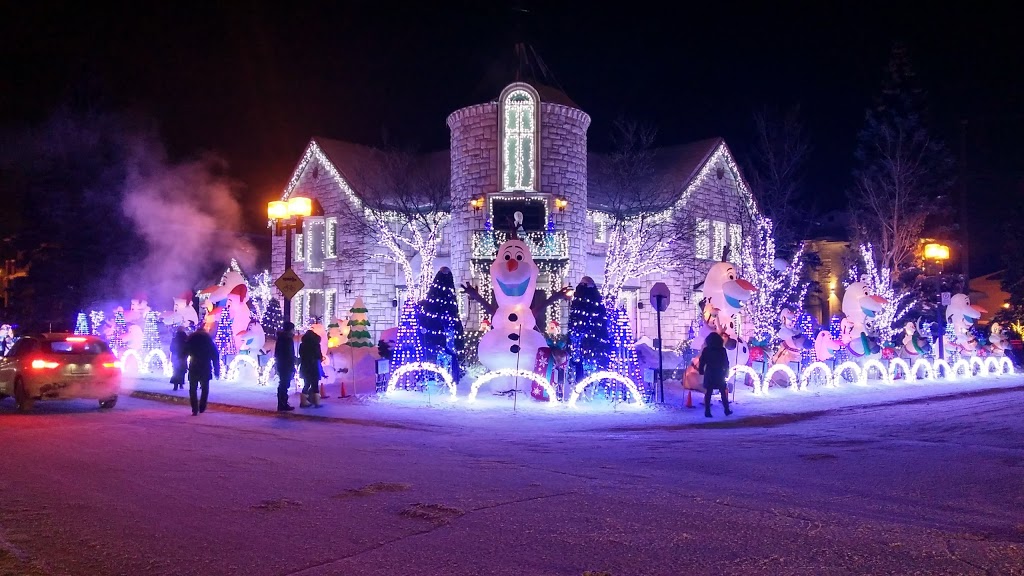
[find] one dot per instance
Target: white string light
(422, 367)
(775, 289)
(513, 373)
(605, 375)
(879, 282)
(518, 146)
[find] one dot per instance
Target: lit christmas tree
(408, 345)
(778, 282)
(81, 324)
(879, 282)
(150, 332)
(120, 329)
(589, 346)
(439, 318)
(358, 326)
(96, 319)
(225, 340)
(273, 317)
(624, 359)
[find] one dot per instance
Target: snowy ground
(850, 481)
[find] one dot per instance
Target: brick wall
(563, 172)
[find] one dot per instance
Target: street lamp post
(286, 217)
(939, 253)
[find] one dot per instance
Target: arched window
(519, 154)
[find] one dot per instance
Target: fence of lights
(849, 372)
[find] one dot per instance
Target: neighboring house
(524, 152)
(987, 292)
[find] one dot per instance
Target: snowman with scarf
(512, 342)
(860, 305)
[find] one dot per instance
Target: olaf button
(513, 336)
(514, 349)
(513, 317)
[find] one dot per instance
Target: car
(60, 366)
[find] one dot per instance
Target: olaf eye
(508, 256)
(731, 277)
(519, 257)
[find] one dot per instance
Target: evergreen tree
(624, 359)
(96, 319)
(358, 326)
(589, 346)
(409, 344)
(224, 339)
(439, 317)
(150, 332)
(1012, 317)
(120, 329)
(81, 324)
(273, 317)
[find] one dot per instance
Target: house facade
(524, 152)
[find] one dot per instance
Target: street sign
(289, 284)
(660, 296)
(945, 298)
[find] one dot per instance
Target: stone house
(525, 151)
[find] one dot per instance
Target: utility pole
(965, 250)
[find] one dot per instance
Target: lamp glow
(299, 206)
(277, 210)
(936, 252)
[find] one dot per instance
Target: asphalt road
(146, 489)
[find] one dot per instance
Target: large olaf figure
(961, 314)
(726, 292)
(512, 341)
(859, 304)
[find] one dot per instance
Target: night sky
(254, 83)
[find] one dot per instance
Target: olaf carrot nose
(512, 265)
(746, 285)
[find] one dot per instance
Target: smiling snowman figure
(512, 341)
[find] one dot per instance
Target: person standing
(284, 358)
(310, 369)
(179, 359)
(203, 365)
(714, 366)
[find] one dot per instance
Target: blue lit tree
(409, 343)
(150, 332)
(624, 359)
(589, 345)
(96, 319)
(224, 339)
(442, 332)
(81, 324)
(119, 331)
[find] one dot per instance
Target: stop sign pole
(660, 297)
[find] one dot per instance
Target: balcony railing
(543, 245)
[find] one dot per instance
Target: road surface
(929, 487)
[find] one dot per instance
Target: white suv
(60, 366)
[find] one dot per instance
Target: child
(714, 366)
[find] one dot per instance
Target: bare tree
(405, 205)
(636, 209)
(776, 171)
(902, 169)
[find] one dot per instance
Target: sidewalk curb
(783, 418)
(235, 409)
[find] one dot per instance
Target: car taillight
(75, 339)
(44, 364)
(111, 364)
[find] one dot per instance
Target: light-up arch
(916, 369)
(766, 381)
(125, 355)
(605, 375)
(421, 367)
(903, 366)
(1006, 365)
(848, 365)
(236, 364)
(811, 369)
(519, 104)
(748, 371)
(528, 375)
(947, 372)
(961, 366)
(977, 366)
(877, 366)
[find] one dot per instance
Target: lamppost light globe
(277, 210)
(299, 206)
(937, 252)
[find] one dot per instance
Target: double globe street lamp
(286, 217)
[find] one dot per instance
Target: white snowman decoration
(512, 340)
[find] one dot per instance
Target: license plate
(81, 369)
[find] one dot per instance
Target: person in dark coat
(203, 365)
(179, 359)
(714, 366)
(310, 369)
(284, 358)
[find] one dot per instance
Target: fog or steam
(189, 217)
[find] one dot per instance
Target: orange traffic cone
(343, 394)
(689, 398)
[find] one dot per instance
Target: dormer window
(519, 138)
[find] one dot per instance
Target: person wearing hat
(284, 358)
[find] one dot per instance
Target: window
(718, 247)
(23, 347)
(300, 250)
(735, 243)
(331, 240)
(701, 240)
(600, 231)
(316, 248)
(518, 151)
(65, 347)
